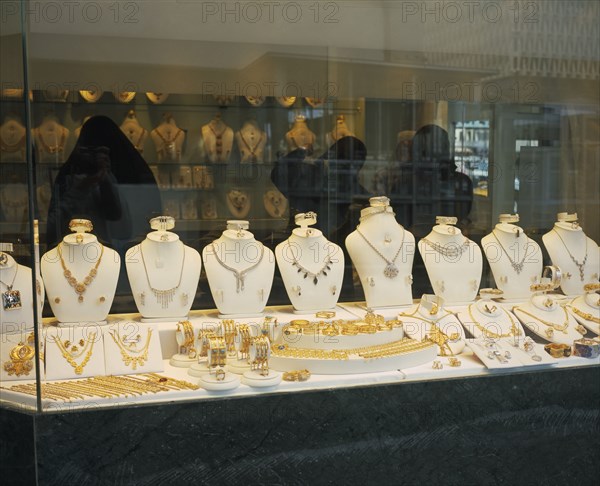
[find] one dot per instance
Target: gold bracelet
(591, 287)
(245, 340)
(586, 348)
(558, 350)
(217, 351)
(541, 287)
(325, 314)
(81, 223)
(300, 375)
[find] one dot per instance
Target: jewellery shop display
(240, 275)
(391, 270)
(514, 328)
(580, 265)
(449, 250)
(71, 351)
(307, 273)
(21, 358)
(517, 266)
(79, 287)
(129, 353)
(11, 299)
(163, 296)
(105, 387)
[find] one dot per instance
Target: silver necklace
(163, 297)
(518, 267)
(240, 275)
(580, 266)
(11, 299)
(452, 251)
(390, 270)
(307, 273)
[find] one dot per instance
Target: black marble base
(534, 428)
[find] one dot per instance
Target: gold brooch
(21, 357)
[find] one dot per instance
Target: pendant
(391, 270)
(518, 267)
(11, 299)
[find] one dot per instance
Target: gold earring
(434, 310)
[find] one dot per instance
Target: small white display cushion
(104, 285)
(580, 304)
(58, 368)
(210, 382)
(8, 340)
(256, 380)
(22, 318)
(184, 294)
(355, 365)
(115, 358)
(557, 316)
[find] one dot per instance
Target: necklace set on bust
(240, 275)
(579, 264)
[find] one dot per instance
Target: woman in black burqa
(105, 180)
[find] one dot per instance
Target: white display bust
(251, 141)
(12, 140)
(239, 270)
(216, 141)
(163, 273)
(168, 139)
(339, 130)
(385, 270)
(516, 260)
(574, 253)
(312, 268)
(135, 132)
(81, 254)
(300, 136)
(453, 262)
(16, 297)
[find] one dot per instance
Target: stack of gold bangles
(204, 337)
(299, 375)
(188, 339)
(245, 340)
(262, 348)
(229, 331)
(217, 352)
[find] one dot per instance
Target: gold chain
(127, 358)
(584, 315)
(514, 330)
(69, 357)
(80, 287)
(435, 334)
(557, 327)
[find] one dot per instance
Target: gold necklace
(80, 287)
(584, 315)
(514, 330)
(168, 143)
(163, 296)
(254, 158)
(436, 335)
(125, 351)
(218, 141)
(89, 346)
(52, 149)
(12, 147)
(551, 326)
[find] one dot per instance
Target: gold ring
(558, 350)
(325, 314)
(220, 374)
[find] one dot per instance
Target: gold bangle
(541, 287)
(591, 287)
(491, 291)
(217, 351)
(558, 350)
(81, 223)
(300, 375)
(325, 314)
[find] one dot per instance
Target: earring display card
(501, 354)
(132, 347)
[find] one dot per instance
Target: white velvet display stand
(58, 368)
(159, 264)
(492, 317)
(80, 258)
(133, 336)
(454, 277)
(588, 304)
(18, 277)
(302, 261)
(574, 245)
(431, 308)
(242, 290)
(255, 378)
(209, 381)
(386, 282)
(516, 260)
(554, 313)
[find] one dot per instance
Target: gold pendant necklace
(72, 354)
(52, 149)
(80, 287)
(21, 358)
(254, 157)
(435, 334)
(514, 330)
(126, 352)
(550, 326)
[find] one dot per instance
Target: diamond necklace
(307, 273)
(580, 266)
(449, 251)
(165, 296)
(390, 270)
(518, 267)
(514, 329)
(240, 275)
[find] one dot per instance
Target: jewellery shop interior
(195, 214)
